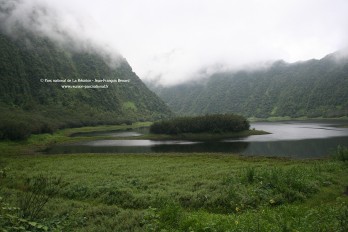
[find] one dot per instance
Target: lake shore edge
(200, 136)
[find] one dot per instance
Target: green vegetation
(159, 192)
(315, 88)
(201, 128)
(217, 123)
(166, 192)
(341, 153)
(29, 105)
(177, 192)
(40, 142)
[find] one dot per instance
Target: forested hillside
(315, 88)
(32, 102)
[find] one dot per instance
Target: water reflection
(204, 147)
(134, 143)
(306, 139)
(310, 148)
(145, 146)
(114, 133)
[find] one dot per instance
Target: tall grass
(177, 192)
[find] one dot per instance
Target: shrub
(341, 153)
(37, 191)
(14, 130)
(216, 123)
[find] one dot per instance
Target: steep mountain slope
(315, 88)
(31, 102)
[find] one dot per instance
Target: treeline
(18, 124)
(215, 123)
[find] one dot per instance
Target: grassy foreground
(161, 192)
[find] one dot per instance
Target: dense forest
(31, 104)
(217, 123)
(314, 88)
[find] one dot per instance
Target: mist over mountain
(45, 86)
(314, 88)
(173, 41)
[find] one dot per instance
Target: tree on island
(214, 123)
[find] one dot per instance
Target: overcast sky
(175, 40)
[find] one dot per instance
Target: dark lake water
(297, 139)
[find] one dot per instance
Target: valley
(89, 142)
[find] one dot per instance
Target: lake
(296, 139)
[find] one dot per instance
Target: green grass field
(162, 192)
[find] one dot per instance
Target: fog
(174, 41)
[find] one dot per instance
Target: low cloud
(174, 41)
(69, 29)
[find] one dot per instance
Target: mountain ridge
(313, 88)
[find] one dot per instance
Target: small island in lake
(207, 127)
